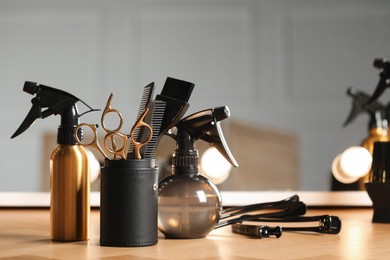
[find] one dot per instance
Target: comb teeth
(177, 89)
(157, 116)
(146, 97)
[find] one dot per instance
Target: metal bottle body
(376, 134)
(70, 193)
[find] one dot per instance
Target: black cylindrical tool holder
(128, 203)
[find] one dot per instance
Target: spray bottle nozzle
(203, 125)
(378, 112)
(30, 87)
(381, 64)
(384, 79)
(221, 113)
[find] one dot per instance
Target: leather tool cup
(128, 203)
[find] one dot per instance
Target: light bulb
(354, 163)
(95, 166)
(214, 166)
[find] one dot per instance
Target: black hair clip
(257, 231)
(327, 224)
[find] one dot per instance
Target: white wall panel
(210, 45)
(331, 46)
(276, 63)
(51, 45)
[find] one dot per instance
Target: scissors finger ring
(113, 148)
(108, 109)
(141, 123)
(94, 142)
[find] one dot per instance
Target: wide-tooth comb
(146, 97)
(157, 117)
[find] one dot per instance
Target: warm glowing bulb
(214, 166)
(354, 163)
(94, 166)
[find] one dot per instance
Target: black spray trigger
(57, 102)
(376, 110)
(204, 125)
(216, 138)
(33, 114)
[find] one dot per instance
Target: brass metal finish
(376, 135)
(70, 189)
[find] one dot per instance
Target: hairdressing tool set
(134, 205)
(113, 135)
(129, 184)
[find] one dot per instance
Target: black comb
(146, 97)
(158, 109)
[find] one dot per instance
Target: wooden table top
(24, 234)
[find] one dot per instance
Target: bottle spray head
(203, 125)
(377, 111)
(56, 101)
(384, 79)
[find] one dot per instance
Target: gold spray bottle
(69, 185)
(378, 128)
(70, 164)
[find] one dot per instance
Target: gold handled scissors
(94, 143)
(108, 137)
(138, 144)
(108, 109)
(114, 148)
(112, 135)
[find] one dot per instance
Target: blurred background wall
(280, 65)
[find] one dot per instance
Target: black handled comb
(158, 109)
(146, 97)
